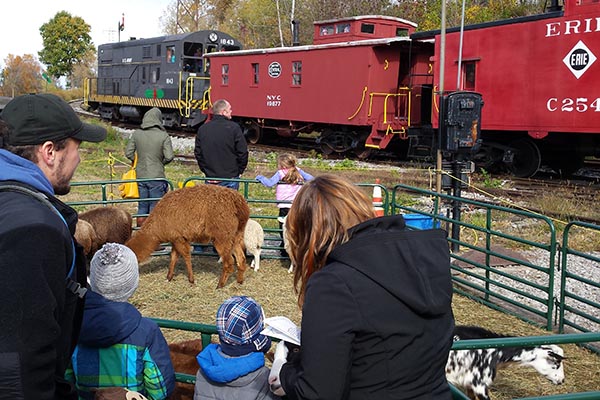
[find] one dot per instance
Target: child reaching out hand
(289, 180)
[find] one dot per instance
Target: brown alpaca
(85, 235)
(183, 356)
(201, 214)
(111, 225)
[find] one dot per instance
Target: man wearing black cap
(43, 268)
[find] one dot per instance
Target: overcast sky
(22, 19)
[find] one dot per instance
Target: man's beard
(62, 183)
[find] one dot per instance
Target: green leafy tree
(66, 41)
(21, 75)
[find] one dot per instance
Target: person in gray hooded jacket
(155, 150)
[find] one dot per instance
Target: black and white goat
(474, 370)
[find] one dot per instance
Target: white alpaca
(254, 237)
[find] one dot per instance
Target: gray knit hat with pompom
(114, 272)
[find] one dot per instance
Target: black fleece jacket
(39, 317)
(377, 320)
(221, 149)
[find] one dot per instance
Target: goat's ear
(556, 355)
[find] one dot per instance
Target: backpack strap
(72, 285)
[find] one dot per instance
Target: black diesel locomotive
(168, 72)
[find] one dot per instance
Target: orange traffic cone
(378, 199)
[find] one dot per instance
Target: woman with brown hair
(376, 301)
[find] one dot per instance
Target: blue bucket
(420, 221)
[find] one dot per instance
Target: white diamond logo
(579, 59)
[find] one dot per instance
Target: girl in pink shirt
(289, 180)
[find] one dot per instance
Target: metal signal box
(462, 122)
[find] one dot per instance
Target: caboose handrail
(385, 102)
(362, 101)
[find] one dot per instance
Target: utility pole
(438, 181)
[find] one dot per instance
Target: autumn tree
(427, 13)
(21, 75)
(67, 41)
(85, 69)
(267, 23)
(187, 16)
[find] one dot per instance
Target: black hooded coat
(377, 320)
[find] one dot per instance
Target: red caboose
(368, 80)
(344, 86)
(539, 77)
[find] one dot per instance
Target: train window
(296, 73)
(158, 50)
(143, 73)
(468, 73)
(171, 54)
(367, 28)
(401, 32)
(342, 28)
(225, 74)
(156, 75)
(255, 70)
(327, 30)
(146, 52)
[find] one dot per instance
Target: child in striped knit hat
(117, 346)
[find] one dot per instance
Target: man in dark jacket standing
(43, 268)
(221, 149)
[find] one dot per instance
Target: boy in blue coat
(118, 347)
(235, 368)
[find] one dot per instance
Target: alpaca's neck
(142, 244)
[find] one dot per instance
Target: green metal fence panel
(208, 330)
(205, 330)
(476, 273)
(385, 196)
(105, 193)
(569, 396)
(577, 310)
(457, 394)
(490, 271)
